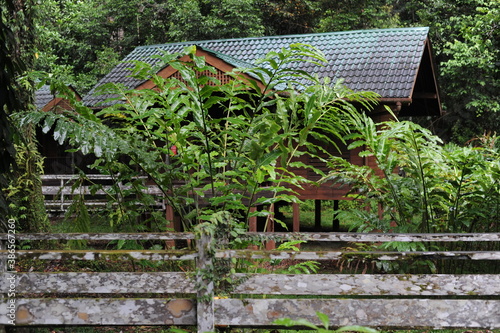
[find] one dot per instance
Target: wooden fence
(190, 299)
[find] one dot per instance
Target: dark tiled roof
(385, 60)
(43, 96)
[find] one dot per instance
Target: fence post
(205, 285)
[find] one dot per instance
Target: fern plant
(325, 325)
(419, 185)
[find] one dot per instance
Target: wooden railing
(59, 192)
(392, 301)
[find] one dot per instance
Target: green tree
(10, 66)
(465, 36)
(357, 14)
(205, 19)
(77, 42)
(81, 41)
(21, 197)
(286, 17)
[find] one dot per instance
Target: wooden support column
(252, 225)
(335, 221)
(270, 245)
(295, 217)
(252, 220)
(317, 215)
(170, 216)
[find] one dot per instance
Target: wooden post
(295, 217)
(317, 215)
(270, 245)
(335, 221)
(205, 292)
(252, 220)
(170, 216)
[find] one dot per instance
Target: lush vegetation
(420, 184)
(232, 141)
(78, 44)
(210, 147)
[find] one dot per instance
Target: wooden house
(395, 63)
(56, 160)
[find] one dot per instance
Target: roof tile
(366, 59)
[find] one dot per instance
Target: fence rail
(255, 300)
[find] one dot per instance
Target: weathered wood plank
(100, 283)
(248, 254)
(90, 176)
(423, 285)
(377, 237)
(398, 313)
(337, 255)
(153, 311)
(323, 237)
(270, 284)
(106, 236)
(86, 190)
(105, 254)
(388, 313)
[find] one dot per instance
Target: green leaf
(324, 319)
(356, 328)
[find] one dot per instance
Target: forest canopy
(80, 41)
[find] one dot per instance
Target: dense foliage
(210, 147)
(420, 184)
(20, 196)
(80, 41)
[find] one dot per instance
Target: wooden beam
(372, 255)
(252, 220)
(471, 285)
(170, 217)
(252, 225)
(308, 236)
(270, 244)
(205, 292)
(104, 236)
(154, 255)
(101, 283)
(382, 237)
(424, 285)
(381, 313)
(424, 95)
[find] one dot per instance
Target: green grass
(307, 215)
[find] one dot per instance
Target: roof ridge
(285, 36)
(224, 56)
